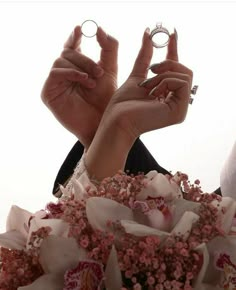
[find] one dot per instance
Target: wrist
(109, 149)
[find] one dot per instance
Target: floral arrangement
(138, 232)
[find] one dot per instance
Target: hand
(160, 101)
(77, 89)
(138, 107)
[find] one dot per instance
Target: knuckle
(53, 73)
(57, 62)
(113, 41)
(169, 62)
(187, 78)
(66, 53)
(43, 97)
(191, 73)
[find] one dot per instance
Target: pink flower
(87, 275)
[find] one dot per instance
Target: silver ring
(193, 92)
(159, 29)
(89, 35)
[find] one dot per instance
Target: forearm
(108, 151)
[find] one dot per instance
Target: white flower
(158, 185)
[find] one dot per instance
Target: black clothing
(139, 160)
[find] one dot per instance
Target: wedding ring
(193, 92)
(89, 28)
(159, 29)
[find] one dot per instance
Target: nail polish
(154, 65)
(147, 30)
(144, 82)
(176, 34)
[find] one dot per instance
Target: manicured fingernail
(152, 91)
(147, 30)
(72, 35)
(142, 84)
(176, 34)
(154, 65)
(98, 71)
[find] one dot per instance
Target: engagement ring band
(89, 28)
(160, 36)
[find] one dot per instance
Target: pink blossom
(87, 275)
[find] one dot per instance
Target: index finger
(74, 40)
(144, 57)
(172, 51)
(109, 51)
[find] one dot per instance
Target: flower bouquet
(138, 232)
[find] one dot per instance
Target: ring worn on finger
(193, 92)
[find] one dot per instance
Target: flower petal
(18, 219)
(78, 184)
(87, 275)
(100, 210)
(158, 220)
(48, 281)
(205, 286)
(58, 254)
(64, 191)
(181, 206)
(131, 227)
(12, 240)
(223, 245)
(185, 223)
(113, 279)
(78, 189)
(229, 206)
(159, 185)
(59, 227)
(203, 250)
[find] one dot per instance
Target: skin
(136, 108)
(77, 93)
(77, 89)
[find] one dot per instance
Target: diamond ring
(160, 36)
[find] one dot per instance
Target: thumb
(109, 51)
(144, 57)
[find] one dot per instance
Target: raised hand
(77, 89)
(139, 106)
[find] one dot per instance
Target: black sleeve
(218, 191)
(67, 167)
(139, 160)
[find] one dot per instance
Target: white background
(33, 144)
